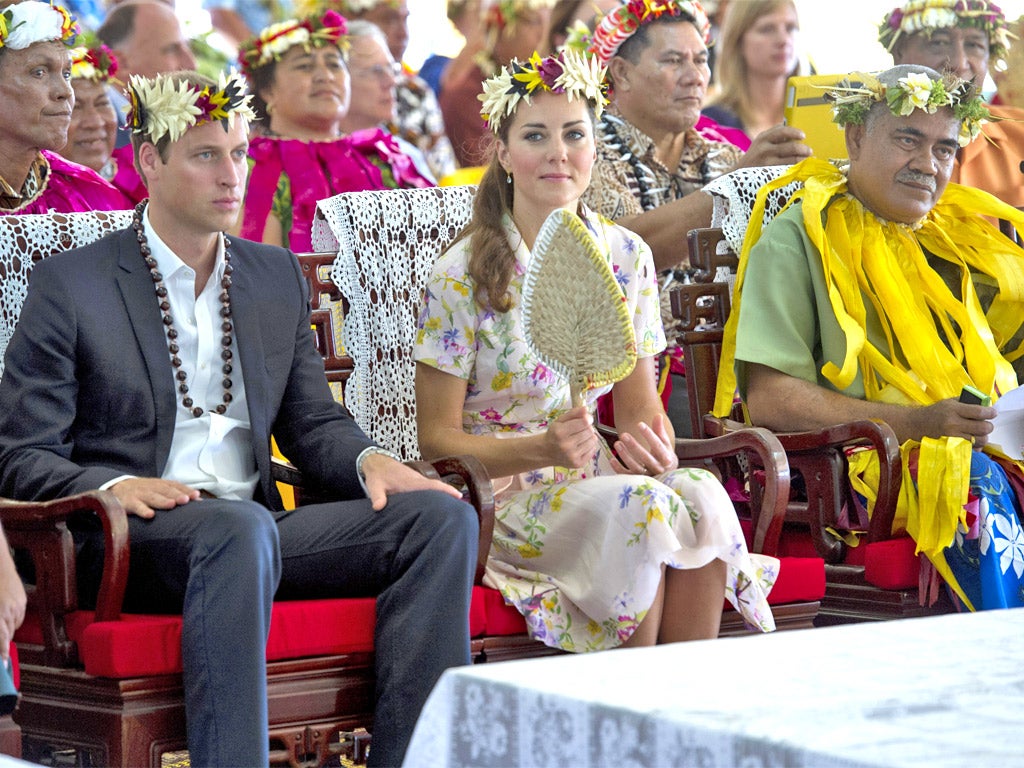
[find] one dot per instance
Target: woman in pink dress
(35, 38)
(300, 82)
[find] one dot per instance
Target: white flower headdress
(167, 105)
(570, 72)
(916, 90)
(33, 21)
(314, 31)
(926, 15)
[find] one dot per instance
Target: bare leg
(647, 632)
(693, 603)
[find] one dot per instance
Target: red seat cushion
(892, 564)
(141, 644)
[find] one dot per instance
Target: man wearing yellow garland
(881, 292)
(966, 37)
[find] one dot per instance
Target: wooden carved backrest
(26, 239)
(386, 243)
(327, 318)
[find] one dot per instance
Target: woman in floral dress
(596, 549)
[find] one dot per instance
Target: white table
(942, 691)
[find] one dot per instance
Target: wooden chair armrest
(769, 515)
(869, 433)
(40, 528)
(467, 472)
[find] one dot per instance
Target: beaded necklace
(168, 321)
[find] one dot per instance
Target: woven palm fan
(574, 313)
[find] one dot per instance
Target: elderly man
(35, 68)
(156, 363)
(651, 158)
(418, 117)
(965, 37)
(883, 292)
(147, 39)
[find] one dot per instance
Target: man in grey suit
(157, 363)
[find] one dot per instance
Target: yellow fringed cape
(935, 343)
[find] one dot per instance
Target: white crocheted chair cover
(28, 238)
(387, 242)
(734, 195)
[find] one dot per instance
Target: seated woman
(37, 102)
(374, 77)
(300, 83)
(93, 130)
(595, 548)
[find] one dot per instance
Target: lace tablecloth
(942, 691)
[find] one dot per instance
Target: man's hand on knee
(142, 496)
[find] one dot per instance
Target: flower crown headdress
(315, 31)
(97, 64)
(568, 72)
(33, 21)
(927, 15)
(916, 90)
(167, 105)
(622, 23)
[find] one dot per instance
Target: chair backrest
(327, 318)
(26, 239)
(386, 243)
(734, 195)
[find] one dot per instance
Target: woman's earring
(508, 178)
(270, 109)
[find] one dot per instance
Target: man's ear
(149, 161)
(854, 137)
(618, 73)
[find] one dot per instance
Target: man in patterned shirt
(651, 159)
(417, 114)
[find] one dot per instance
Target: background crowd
(621, 113)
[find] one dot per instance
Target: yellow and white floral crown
(167, 105)
(313, 31)
(570, 72)
(33, 21)
(623, 22)
(927, 15)
(916, 90)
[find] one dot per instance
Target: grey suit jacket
(88, 394)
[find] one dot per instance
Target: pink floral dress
(579, 552)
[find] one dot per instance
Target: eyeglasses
(381, 72)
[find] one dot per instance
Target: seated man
(652, 160)
(880, 293)
(35, 67)
(965, 37)
(157, 363)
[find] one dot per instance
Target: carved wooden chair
(106, 684)
(878, 578)
(387, 242)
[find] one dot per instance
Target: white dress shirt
(212, 452)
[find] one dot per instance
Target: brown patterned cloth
(12, 199)
(628, 179)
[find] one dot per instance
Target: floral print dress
(579, 551)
